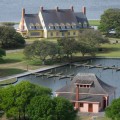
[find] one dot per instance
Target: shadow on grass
(5, 61)
(108, 50)
(10, 71)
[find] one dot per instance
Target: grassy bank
(94, 22)
(10, 81)
(110, 50)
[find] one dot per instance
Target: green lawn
(13, 57)
(94, 22)
(8, 81)
(110, 50)
(10, 71)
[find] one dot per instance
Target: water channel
(110, 76)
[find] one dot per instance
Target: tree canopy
(68, 45)
(29, 101)
(2, 53)
(113, 111)
(9, 38)
(41, 50)
(89, 41)
(110, 20)
(15, 99)
(46, 108)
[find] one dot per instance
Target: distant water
(10, 10)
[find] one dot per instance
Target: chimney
(77, 97)
(57, 8)
(41, 8)
(72, 8)
(22, 20)
(23, 12)
(84, 10)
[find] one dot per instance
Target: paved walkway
(30, 72)
(100, 114)
(12, 51)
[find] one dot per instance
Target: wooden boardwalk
(97, 66)
(51, 75)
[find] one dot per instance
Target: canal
(110, 76)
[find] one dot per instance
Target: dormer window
(74, 26)
(85, 25)
(84, 83)
(80, 25)
(62, 26)
(68, 26)
(32, 26)
(38, 26)
(57, 26)
(51, 26)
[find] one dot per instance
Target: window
(35, 33)
(32, 26)
(81, 104)
(88, 86)
(81, 85)
(62, 26)
(74, 33)
(80, 25)
(68, 33)
(68, 26)
(85, 25)
(57, 26)
(57, 33)
(74, 26)
(51, 34)
(51, 26)
(62, 33)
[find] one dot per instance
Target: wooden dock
(97, 66)
(51, 75)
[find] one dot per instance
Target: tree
(15, 99)
(89, 41)
(64, 110)
(69, 46)
(9, 38)
(110, 20)
(41, 108)
(41, 50)
(113, 111)
(2, 53)
(47, 108)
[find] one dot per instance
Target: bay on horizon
(10, 10)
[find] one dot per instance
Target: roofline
(83, 101)
(82, 93)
